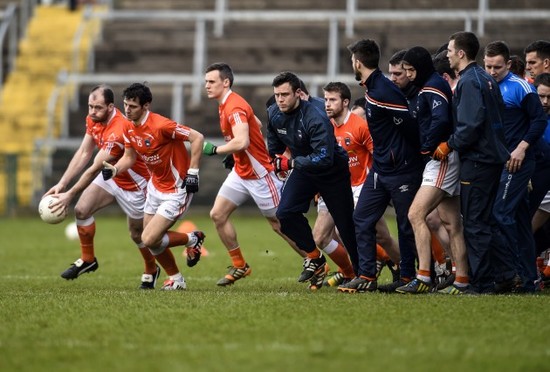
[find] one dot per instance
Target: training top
(433, 113)
(309, 135)
(524, 117)
(253, 162)
(161, 144)
(110, 139)
(478, 110)
(354, 137)
(394, 131)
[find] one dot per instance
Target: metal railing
(333, 17)
(12, 29)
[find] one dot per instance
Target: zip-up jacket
(478, 111)
(394, 131)
(434, 114)
(309, 135)
(524, 117)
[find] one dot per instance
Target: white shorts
(171, 206)
(131, 202)
(266, 191)
(443, 174)
(356, 190)
(545, 204)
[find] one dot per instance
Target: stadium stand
(167, 46)
(27, 90)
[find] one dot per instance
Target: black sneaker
(318, 280)
(391, 287)
(415, 286)
(78, 268)
(394, 269)
(444, 281)
(194, 252)
(312, 267)
(509, 286)
(359, 284)
(234, 274)
(148, 281)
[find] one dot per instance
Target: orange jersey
(161, 144)
(110, 139)
(354, 136)
(254, 162)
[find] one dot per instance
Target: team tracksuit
(320, 166)
(524, 120)
(478, 137)
(396, 174)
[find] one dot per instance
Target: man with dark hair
(318, 165)
(352, 134)
(478, 138)
(396, 173)
(160, 142)
(537, 58)
(524, 123)
(104, 125)
(252, 175)
(440, 188)
(443, 68)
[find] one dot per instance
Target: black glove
(109, 171)
(192, 181)
(228, 162)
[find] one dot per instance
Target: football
(45, 212)
(71, 231)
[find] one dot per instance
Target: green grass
(267, 322)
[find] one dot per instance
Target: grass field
(267, 322)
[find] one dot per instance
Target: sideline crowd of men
(459, 150)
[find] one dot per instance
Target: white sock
(331, 247)
(426, 279)
(192, 240)
(177, 277)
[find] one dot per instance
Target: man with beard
(396, 173)
(103, 131)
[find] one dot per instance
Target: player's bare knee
(149, 240)
(82, 213)
(218, 217)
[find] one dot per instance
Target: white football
(45, 212)
(71, 231)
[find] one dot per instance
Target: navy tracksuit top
(394, 131)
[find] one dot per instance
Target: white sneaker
(173, 285)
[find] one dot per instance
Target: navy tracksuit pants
(515, 246)
(375, 196)
(478, 186)
(335, 188)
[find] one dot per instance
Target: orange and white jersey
(354, 136)
(110, 139)
(254, 162)
(161, 144)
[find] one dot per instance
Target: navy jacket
(394, 131)
(433, 111)
(309, 135)
(478, 111)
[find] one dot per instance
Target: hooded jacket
(433, 105)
